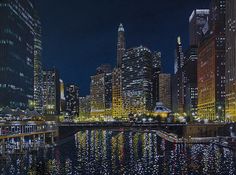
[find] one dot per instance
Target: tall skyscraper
(18, 48)
(72, 100)
(165, 90)
(211, 66)
(137, 80)
(51, 92)
(190, 81)
(156, 63)
(198, 25)
(62, 97)
(120, 45)
(179, 62)
(230, 60)
(38, 72)
(101, 93)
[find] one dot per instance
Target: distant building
(165, 90)
(72, 100)
(156, 70)
(84, 106)
(198, 25)
(19, 47)
(211, 66)
(62, 97)
(137, 80)
(101, 93)
(230, 60)
(51, 92)
(190, 81)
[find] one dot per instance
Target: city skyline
(67, 44)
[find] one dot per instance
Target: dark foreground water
(122, 152)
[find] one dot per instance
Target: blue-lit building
(17, 48)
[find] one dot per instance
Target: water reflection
(122, 152)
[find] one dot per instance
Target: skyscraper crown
(121, 28)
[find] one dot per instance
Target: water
(122, 152)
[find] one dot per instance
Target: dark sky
(79, 35)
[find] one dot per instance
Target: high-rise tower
(120, 45)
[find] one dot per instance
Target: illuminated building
(117, 102)
(179, 62)
(165, 89)
(62, 96)
(198, 25)
(156, 70)
(101, 92)
(38, 74)
(190, 81)
(72, 100)
(120, 45)
(51, 92)
(137, 80)
(211, 67)
(17, 47)
(230, 60)
(84, 106)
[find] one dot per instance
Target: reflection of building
(72, 100)
(84, 106)
(19, 40)
(137, 80)
(62, 96)
(198, 25)
(117, 103)
(190, 81)
(101, 92)
(165, 90)
(211, 66)
(230, 60)
(51, 92)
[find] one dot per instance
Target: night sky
(78, 36)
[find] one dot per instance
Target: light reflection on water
(122, 152)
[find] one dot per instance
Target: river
(122, 152)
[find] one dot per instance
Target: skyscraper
(51, 92)
(120, 45)
(72, 100)
(38, 72)
(137, 80)
(101, 93)
(179, 62)
(18, 48)
(117, 101)
(165, 90)
(230, 60)
(198, 25)
(156, 70)
(62, 97)
(211, 66)
(84, 106)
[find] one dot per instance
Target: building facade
(137, 80)
(198, 25)
(120, 45)
(101, 93)
(51, 92)
(165, 90)
(84, 106)
(17, 53)
(72, 100)
(230, 60)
